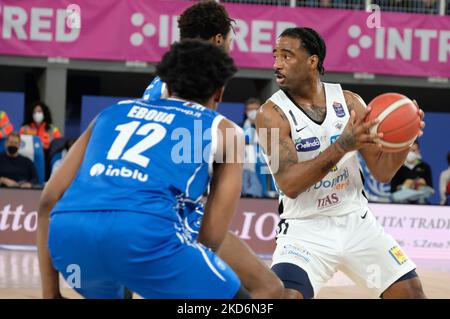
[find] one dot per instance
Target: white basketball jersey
(340, 192)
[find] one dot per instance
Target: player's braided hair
(195, 69)
(311, 41)
(204, 20)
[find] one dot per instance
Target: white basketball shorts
(355, 244)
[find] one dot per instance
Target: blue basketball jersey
(192, 212)
(149, 157)
(154, 90)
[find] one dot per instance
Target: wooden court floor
(19, 279)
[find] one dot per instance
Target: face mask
(251, 115)
(12, 149)
(412, 157)
(38, 117)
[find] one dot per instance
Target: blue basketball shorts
(100, 253)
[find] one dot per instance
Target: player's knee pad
(417, 292)
(294, 277)
(409, 275)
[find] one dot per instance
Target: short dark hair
(195, 69)
(311, 41)
(253, 100)
(448, 158)
(204, 20)
(45, 109)
(12, 134)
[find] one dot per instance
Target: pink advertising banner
(140, 30)
(423, 231)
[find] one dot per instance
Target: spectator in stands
(39, 122)
(62, 152)
(326, 3)
(251, 185)
(392, 5)
(429, 6)
(16, 170)
(5, 125)
(350, 4)
(308, 3)
(412, 183)
(257, 179)
(444, 184)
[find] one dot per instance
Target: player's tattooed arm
(347, 140)
(287, 154)
(277, 109)
(275, 138)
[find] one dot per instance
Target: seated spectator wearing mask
(413, 182)
(39, 122)
(16, 170)
(444, 184)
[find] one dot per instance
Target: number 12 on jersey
(153, 133)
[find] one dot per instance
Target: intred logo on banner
(140, 30)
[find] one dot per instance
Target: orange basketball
(399, 121)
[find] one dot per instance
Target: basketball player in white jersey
(326, 224)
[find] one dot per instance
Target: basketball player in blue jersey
(209, 21)
(326, 224)
(206, 20)
(192, 24)
(121, 191)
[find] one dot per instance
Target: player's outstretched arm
(291, 176)
(226, 185)
(382, 165)
(52, 192)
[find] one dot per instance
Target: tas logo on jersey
(327, 201)
(98, 169)
(307, 144)
(339, 109)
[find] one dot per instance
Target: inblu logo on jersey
(307, 144)
(339, 109)
(98, 169)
